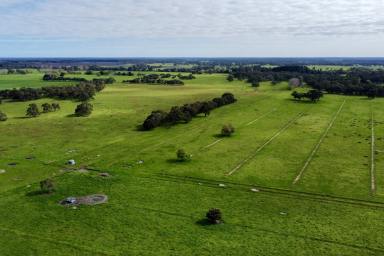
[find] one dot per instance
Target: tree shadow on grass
(36, 193)
(72, 115)
(301, 101)
(203, 222)
(175, 161)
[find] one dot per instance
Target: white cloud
(184, 19)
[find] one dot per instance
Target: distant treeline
(83, 91)
(62, 77)
(186, 112)
(155, 79)
(200, 64)
(356, 81)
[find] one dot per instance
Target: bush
(227, 130)
(84, 109)
(47, 186)
(214, 216)
(32, 110)
(182, 156)
(3, 117)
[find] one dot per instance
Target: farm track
(243, 187)
(317, 146)
(373, 179)
(260, 117)
(281, 130)
(248, 124)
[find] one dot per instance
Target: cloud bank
(209, 20)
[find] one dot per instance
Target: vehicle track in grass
(373, 179)
(250, 157)
(317, 146)
(246, 188)
(248, 124)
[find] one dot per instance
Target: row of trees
(155, 79)
(83, 92)
(83, 109)
(186, 112)
(62, 77)
(34, 111)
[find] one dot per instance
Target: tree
(47, 107)
(227, 130)
(3, 117)
(47, 186)
(314, 95)
(182, 156)
(297, 95)
(84, 109)
(230, 78)
(55, 106)
(155, 119)
(371, 93)
(214, 216)
(33, 110)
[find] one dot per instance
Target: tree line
(186, 112)
(356, 81)
(62, 77)
(83, 92)
(155, 79)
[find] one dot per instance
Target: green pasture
(157, 205)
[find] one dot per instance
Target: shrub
(84, 109)
(32, 110)
(214, 216)
(47, 186)
(3, 117)
(182, 156)
(227, 130)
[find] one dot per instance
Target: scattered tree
(33, 110)
(84, 109)
(227, 130)
(182, 156)
(55, 106)
(47, 186)
(47, 107)
(3, 117)
(214, 216)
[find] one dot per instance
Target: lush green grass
(157, 207)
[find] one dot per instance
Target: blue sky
(206, 28)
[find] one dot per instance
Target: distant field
(312, 165)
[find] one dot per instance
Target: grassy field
(312, 164)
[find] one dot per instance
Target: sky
(193, 28)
